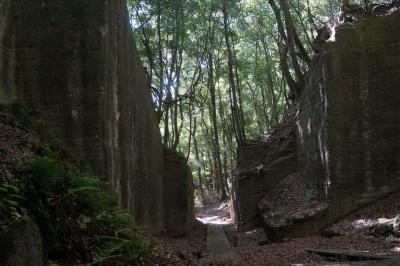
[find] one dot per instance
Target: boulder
(21, 244)
(288, 205)
(385, 227)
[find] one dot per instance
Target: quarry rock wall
(360, 151)
(75, 63)
(261, 165)
(347, 127)
(179, 205)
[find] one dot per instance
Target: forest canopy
(225, 71)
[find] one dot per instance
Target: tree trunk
(213, 118)
(198, 166)
(234, 105)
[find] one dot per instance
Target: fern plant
(11, 198)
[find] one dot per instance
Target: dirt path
(217, 242)
(219, 249)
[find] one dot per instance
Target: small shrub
(32, 122)
(45, 169)
(47, 181)
(120, 250)
(121, 242)
(79, 220)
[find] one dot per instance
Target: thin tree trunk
(292, 33)
(288, 47)
(262, 90)
(213, 118)
(241, 112)
(198, 166)
(234, 105)
(270, 82)
(211, 159)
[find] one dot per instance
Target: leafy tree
(224, 71)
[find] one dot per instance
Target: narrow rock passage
(219, 249)
(215, 217)
(217, 242)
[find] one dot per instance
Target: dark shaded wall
(362, 77)
(179, 200)
(261, 166)
(75, 62)
(311, 126)
(349, 120)
(347, 127)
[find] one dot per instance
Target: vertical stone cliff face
(353, 147)
(261, 166)
(347, 127)
(75, 63)
(179, 211)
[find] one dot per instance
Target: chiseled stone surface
(261, 166)
(347, 128)
(349, 124)
(75, 62)
(179, 200)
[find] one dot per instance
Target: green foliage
(183, 42)
(72, 209)
(78, 219)
(179, 40)
(44, 167)
(32, 122)
(11, 199)
(113, 248)
(86, 190)
(391, 238)
(125, 244)
(52, 263)
(119, 238)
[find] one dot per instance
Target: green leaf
(10, 187)
(83, 189)
(12, 202)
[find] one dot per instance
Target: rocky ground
(18, 147)
(351, 233)
(166, 250)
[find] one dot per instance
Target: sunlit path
(214, 214)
